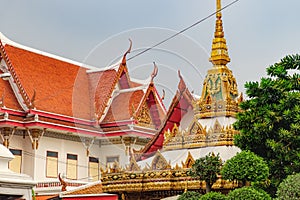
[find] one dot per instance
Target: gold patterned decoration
(196, 136)
(219, 93)
(168, 135)
(164, 178)
(144, 117)
(133, 166)
(188, 162)
(196, 128)
(159, 162)
(219, 53)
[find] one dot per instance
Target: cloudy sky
(95, 32)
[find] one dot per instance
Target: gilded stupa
(192, 129)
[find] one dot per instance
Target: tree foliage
(189, 195)
(245, 166)
(248, 193)
(213, 196)
(270, 121)
(207, 168)
(289, 188)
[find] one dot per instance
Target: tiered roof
(47, 91)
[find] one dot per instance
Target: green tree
(270, 122)
(189, 195)
(213, 196)
(248, 193)
(289, 188)
(245, 166)
(207, 168)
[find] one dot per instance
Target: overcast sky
(95, 32)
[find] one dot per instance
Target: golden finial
(219, 55)
(219, 14)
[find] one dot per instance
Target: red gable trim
(181, 101)
(79, 131)
(13, 112)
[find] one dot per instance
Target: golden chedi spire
(219, 93)
(219, 54)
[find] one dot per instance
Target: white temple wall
(224, 121)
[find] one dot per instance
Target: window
(15, 164)
(110, 160)
(71, 166)
(94, 168)
(52, 164)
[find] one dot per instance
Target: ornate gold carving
(6, 134)
(196, 136)
(160, 177)
(219, 52)
(219, 94)
(133, 166)
(196, 128)
(162, 180)
(189, 161)
(35, 135)
(168, 135)
(144, 117)
(159, 162)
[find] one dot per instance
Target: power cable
(183, 30)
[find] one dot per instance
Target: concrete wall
(34, 161)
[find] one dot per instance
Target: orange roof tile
(52, 79)
(44, 197)
(123, 106)
(101, 87)
(9, 99)
(86, 189)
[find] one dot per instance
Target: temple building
(193, 128)
(72, 127)
(62, 117)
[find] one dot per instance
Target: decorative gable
(133, 166)
(144, 117)
(159, 162)
(188, 162)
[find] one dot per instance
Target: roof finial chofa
(219, 14)
(219, 54)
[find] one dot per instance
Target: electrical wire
(183, 30)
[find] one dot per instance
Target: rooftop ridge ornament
(127, 52)
(219, 52)
(154, 73)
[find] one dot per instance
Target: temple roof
(178, 108)
(66, 92)
(46, 77)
